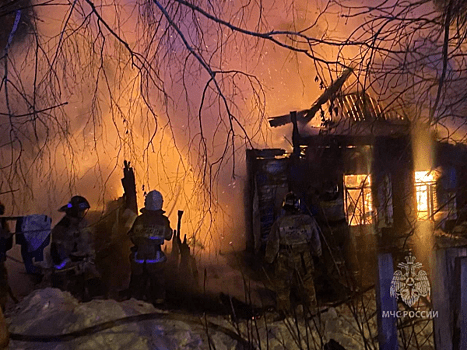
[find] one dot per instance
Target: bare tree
(155, 82)
(412, 55)
(175, 86)
(87, 84)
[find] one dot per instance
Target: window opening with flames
(425, 192)
(358, 199)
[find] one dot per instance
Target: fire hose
(130, 319)
(154, 316)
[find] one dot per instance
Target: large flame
(115, 112)
(425, 191)
(358, 199)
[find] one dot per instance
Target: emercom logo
(410, 283)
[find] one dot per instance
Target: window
(447, 194)
(425, 191)
(358, 199)
(384, 194)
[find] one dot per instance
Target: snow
(52, 312)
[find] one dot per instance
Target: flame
(358, 199)
(108, 121)
(425, 193)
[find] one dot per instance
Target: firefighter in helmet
(148, 233)
(292, 243)
(72, 250)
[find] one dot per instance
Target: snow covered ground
(51, 312)
(54, 315)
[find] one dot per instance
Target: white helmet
(153, 200)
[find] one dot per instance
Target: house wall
(326, 159)
(393, 158)
(268, 182)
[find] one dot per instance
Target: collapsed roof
(342, 111)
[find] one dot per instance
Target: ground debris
(133, 324)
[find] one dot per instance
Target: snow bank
(53, 312)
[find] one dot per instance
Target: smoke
(86, 104)
(177, 93)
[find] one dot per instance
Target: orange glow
(358, 199)
(425, 191)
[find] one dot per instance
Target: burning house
(380, 189)
(388, 181)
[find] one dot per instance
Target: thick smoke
(174, 90)
(87, 104)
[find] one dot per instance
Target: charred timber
(306, 115)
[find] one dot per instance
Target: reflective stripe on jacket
(294, 231)
(148, 233)
(71, 235)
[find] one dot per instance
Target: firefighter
(147, 259)
(292, 244)
(72, 251)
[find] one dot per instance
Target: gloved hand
(65, 263)
(78, 256)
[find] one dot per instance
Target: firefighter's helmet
(330, 191)
(76, 205)
(291, 201)
(153, 201)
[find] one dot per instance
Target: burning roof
(360, 106)
(340, 109)
(308, 114)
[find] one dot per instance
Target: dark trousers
(294, 269)
(148, 281)
(78, 285)
(69, 281)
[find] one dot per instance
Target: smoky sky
(159, 107)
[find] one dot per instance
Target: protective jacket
(294, 233)
(148, 234)
(71, 236)
(293, 239)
